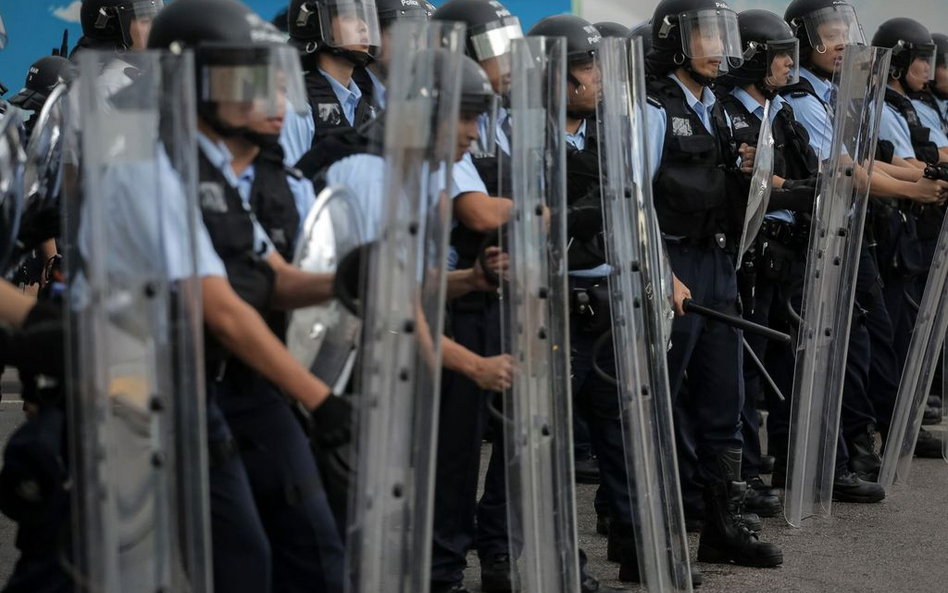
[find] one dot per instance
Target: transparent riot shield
(391, 510)
(324, 338)
(832, 262)
(924, 351)
(761, 184)
(640, 295)
(12, 163)
(541, 500)
(134, 347)
(43, 174)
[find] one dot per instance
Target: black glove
(332, 422)
(41, 227)
(38, 348)
(796, 195)
(348, 280)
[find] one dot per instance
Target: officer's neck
(572, 125)
(896, 85)
(379, 70)
(696, 88)
(754, 92)
(242, 151)
(339, 69)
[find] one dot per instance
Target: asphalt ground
(899, 545)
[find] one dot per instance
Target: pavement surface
(898, 546)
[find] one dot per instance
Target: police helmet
(392, 10)
(685, 30)
(611, 29)
(43, 76)
(311, 28)
(909, 41)
(582, 39)
(110, 21)
(238, 57)
(819, 24)
(490, 27)
(765, 37)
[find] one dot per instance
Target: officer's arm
(925, 191)
(494, 373)
(14, 305)
(481, 212)
(943, 154)
(461, 282)
(295, 288)
(244, 333)
(900, 169)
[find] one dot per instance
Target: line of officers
(275, 525)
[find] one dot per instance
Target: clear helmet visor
(496, 42)
(922, 62)
(783, 62)
(833, 27)
(252, 82)
(352, 24)
(486, 109)
(710, 34)
(135, 17)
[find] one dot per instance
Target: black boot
(602, 524)
(628, 555)
(848, 487)
(928, 445)
(760, 499)
(766, 464)
(725, 538)
(777, 446)
(496, 575)
(864, 460)
(586, 469)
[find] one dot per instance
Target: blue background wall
(35, 27)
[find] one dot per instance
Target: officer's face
(706, 42)
(829, 55)
(138, 30)
(780, 69)
(941, 79)
(498, 72)
(467, 134)
(350, 32)
(918, 74)
(586, 94)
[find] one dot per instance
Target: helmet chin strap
(766, 91)
(696, 76)
(208, 112)
(359, 59)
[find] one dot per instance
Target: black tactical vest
(699, 191)
(328, 113)
(793, 156)
(230, 226)
(925, 150)
(584, 203)
(273, 202)
(929, 99)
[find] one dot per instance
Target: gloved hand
(39, 346)
(796, 195)
(332, 422)
(349, 274)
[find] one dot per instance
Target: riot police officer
(44, 75)
(122, 25)
(371, 78)
(479, 207)
(334, 39)
(824, 28)
(939, 87)
(770, 62)
(699, 191)
(272, 527)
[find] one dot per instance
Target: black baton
(689, 306)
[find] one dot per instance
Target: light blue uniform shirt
(364, 174)
(465, 177)
(751, 105)
(943, 108)
(931, 120)
(814, 115)
(378, 87)
(893, 128)
(148, 219)
(299, 128)
(220, 157)
(578, 140)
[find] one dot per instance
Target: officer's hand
(497, 262)
(680, 292)
(748, 155)
(38, 348)
(332, 422)
(494, 373)
(930, 191)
